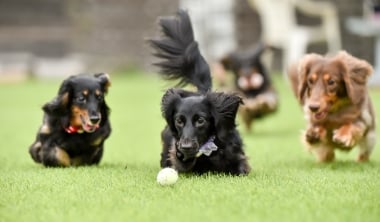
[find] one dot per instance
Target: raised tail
(181, 58)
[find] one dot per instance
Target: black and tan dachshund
(75, 123)
(253, 83)
(201, 134)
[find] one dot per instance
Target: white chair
(280, 28)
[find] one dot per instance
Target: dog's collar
(208, 147)
(73, 129)
(205, 149)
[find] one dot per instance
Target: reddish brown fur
(333, 93)
(76, 114)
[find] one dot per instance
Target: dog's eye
(81, 99)
(311, 81)
(200, 122)
(99, 97)
(179, 122)
(330, 82)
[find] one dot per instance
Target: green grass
(285, 185)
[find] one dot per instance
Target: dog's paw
(244, 170)
(251, 104)
(35, 151)
(269, 101)
(363, 157)
(344, 136)
(315, 134)
(324, 155)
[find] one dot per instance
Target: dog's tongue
(91, 128)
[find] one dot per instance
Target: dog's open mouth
(320, 115)
(189, 153)
(88, 126)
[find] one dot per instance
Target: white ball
(167, 176)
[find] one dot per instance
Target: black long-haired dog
(253, 83)
(75, 124)
(200, 135)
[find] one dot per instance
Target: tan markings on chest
(97, 141)
(45, 129)
(62, 157)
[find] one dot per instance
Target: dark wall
(39, 26)
(117, 29)
(362, 47)
(110, 33)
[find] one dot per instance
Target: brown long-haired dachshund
(332, 91)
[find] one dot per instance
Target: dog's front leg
(230, 163)
(315, 134)
(316, 142)
(35, 151)
(366, 146)
(243, 168)
(349, 134)
(324, 153)
(54, 156)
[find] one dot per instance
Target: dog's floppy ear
(223, 109)
(59, 105)
(104, 80)
(169, 102)
(356, 76)
(303, 71)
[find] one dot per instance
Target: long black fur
(182, 59)
(193, 118)
(54, 145)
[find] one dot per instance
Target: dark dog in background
(75, 123)
(200, 135)
(253, 83)
(332, 91)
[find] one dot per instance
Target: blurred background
(55, 38)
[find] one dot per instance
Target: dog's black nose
(94, 119)
(314, 107)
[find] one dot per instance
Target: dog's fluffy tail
(181, 58)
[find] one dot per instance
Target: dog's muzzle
(187, 148)
(191, 150)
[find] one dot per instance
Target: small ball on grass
(167, 176)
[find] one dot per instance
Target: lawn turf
(285, 184)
